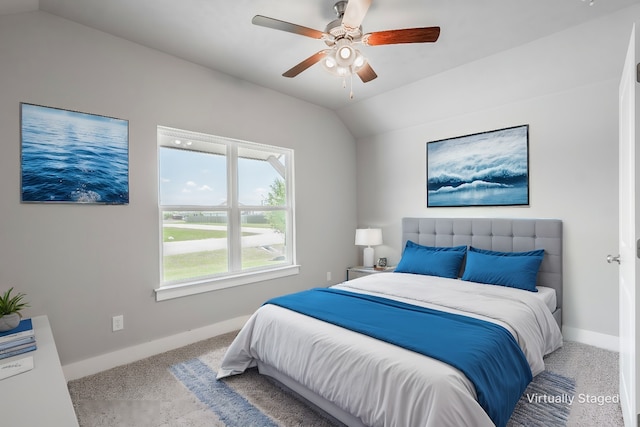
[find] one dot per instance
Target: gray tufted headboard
(498, 234)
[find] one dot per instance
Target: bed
(392, 374)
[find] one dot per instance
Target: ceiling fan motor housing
(337, 30)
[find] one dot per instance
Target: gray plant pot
(9, 321)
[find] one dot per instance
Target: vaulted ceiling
(219, 35)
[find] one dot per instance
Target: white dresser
(38, 397)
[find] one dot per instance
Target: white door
(629, 226)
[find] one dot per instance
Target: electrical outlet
(117, 323)
(328, 276)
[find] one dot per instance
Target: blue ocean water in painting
(479, 170)
(73, 157)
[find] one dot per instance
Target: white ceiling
(219, 35)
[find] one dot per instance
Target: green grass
(207, 263)
(177, 234)
(193, 265)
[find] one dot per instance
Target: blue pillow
(431, 261)
(511, 269)
(412, 244)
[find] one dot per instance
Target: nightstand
(359, 271)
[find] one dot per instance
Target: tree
(277, 197)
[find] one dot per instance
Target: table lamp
(368, 237)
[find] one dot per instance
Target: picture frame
(482, 169)
(73, 157)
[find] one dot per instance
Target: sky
(200, 179)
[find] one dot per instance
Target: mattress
(548, 296)
(382, 384)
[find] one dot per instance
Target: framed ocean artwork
(73, 157)
(483, 169)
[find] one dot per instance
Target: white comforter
(380, 383)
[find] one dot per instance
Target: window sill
(185, 289)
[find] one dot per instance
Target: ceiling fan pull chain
(351, 86)
(344, 82)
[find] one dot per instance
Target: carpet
(546, 402)
(148, 392)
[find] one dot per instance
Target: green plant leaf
(12, 304)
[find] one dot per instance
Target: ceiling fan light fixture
(329, 62)
(345, 52)
(343, 59)
(359, 61)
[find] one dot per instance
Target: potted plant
(10, 307)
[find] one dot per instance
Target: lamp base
(367, 257)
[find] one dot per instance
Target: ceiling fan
(341, 34)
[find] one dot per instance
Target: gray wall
(566, 88)
(81, 265)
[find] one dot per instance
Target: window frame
(235, 276)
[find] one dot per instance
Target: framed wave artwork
(483, 169)
(73, 157)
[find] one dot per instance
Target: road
(262, 237)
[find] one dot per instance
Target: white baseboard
(103, 362)
(596, 339)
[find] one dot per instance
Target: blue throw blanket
(486, 353)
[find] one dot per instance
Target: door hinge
(638, 73)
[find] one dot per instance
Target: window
(226, 210)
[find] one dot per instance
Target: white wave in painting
(476, 185)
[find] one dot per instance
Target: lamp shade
(368, 236)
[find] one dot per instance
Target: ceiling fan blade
(277, 24)
(366, 73)
(407, 35)
(313, 59)
(354, 13)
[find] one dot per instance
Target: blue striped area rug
(545, 403)
(228, 405)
